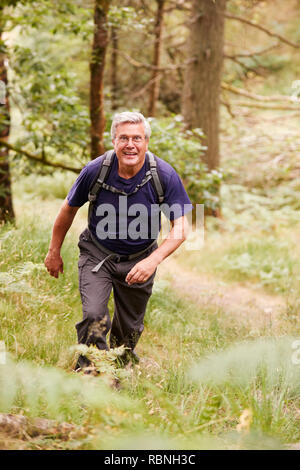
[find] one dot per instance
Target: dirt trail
(251, 305)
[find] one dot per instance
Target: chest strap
(145, 180)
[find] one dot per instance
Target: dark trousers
(95, 287)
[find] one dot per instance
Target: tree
(114, 68)
(156, 75)
(202, 83)
(97, 74)
(6, 204)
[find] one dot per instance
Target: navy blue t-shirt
(128, 224)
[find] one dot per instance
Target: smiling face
(130, 145)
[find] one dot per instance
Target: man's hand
(142, 271)
(54, 263)
(145, 268)
(63, 222)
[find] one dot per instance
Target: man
(119, 251)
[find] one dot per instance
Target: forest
(219, 83)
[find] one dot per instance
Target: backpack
(103, 173)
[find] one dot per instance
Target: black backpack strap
(155, 177)
(102, 175)
(99, 180)
(114, 190)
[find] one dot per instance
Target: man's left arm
(145, 268)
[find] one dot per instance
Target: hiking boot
(129, 357)
(82, 362)
(134, 357)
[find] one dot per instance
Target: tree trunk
(97, 72)
(6, 205)
(155, 79)
(201, 94)
(114, 69)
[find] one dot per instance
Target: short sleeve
(176, 202)
(78, 194)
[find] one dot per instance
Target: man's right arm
(63, 222)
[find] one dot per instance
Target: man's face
(130, 145)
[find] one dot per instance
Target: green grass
(45, 187)
(38, 314)
(262, 260)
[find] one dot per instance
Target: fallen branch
(252, 96)
(22, 427)
(41, 160)
(262, 28)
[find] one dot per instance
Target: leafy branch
(43, 160)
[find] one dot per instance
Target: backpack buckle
(92, 197)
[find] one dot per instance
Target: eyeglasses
(137, 139)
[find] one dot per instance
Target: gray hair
(131, 118)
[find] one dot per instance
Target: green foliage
(264, 260)
(183, 150)
(43, 82)
(103, 362)
(127, 18)
(33, 306)
(254, 264)
(54, 120)
(50, 15)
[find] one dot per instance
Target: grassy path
(250, 305)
